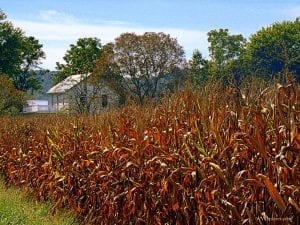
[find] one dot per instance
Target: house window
(104, 101)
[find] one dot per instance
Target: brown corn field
(197, 157)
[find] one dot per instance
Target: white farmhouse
(77, 94)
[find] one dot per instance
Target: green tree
(11, 99)
(19, 55)
(144, 60)
(79, 59)
(225, 49)
(275, 50)
(198, 70)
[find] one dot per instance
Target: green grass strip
(17, 208)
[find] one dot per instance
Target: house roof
(67, 83)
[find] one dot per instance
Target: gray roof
(67, 84)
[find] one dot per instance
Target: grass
(17, 208)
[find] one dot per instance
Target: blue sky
(57, 24)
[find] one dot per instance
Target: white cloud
(55, 16)
(48, 15)
(67, 31)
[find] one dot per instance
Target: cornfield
(197, 157)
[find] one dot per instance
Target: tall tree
(143, 60)
(224, 49)
(79, 59)
(198, 69)
(19, 55)
(275, 50)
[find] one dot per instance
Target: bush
(11, 99)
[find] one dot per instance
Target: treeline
(271, 53)
(134, 65)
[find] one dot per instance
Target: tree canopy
(225, 49)
(79, 59)
(197, 72)
(275, 50)
(19, 55)
(224, 46)
(143, 60)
